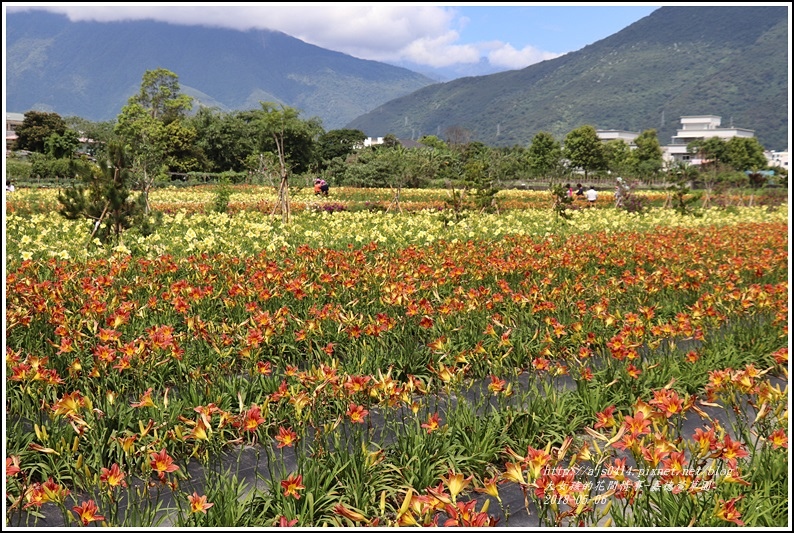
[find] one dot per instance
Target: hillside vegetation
(727, 61)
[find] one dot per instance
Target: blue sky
(511, 36)
(557, 29)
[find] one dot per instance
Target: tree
(390, 141)
(97, 134)
(647, 158)
(36, 128)
(712, 150)
(338, 143)
(62, 145)
(584, 150)
(282, 125)
(104, 197)
(544, 154)
(160, 96)
(617, 154)
(745, 153)
(142, 126)
(457, 136)
(225, 139)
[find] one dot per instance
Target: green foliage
(338, 144)
(743, 153)
(160, 96)
(223, 192)
(226, 140)
(36, 128)
(617, 154)
(646, 159)
(683, 199)
(62, 145)
(46, 168)
(17, 170)
(104, 198)
(544, 154)
(584, 150)
(562, 201)
(280, 130)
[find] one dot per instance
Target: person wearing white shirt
(592, 196)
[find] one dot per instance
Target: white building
(699, 127)
(13, 121)
(370, 141)
(614, 135)
(777, 159)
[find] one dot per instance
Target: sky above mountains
(429, 36)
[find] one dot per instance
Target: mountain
(90, 69)
(727, 61)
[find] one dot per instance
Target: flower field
(393, 369)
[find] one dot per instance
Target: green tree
(36, 128)
(745, 153)
(104, 197)
(390, 141)
(225, 139)
(646, 158)
(544, 154)
(142, 126)
(711, 151)
(160, 96)
(338, 143)
(62, 145)
(617, 154)
(289, 135)
(584, 150)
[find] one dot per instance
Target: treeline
(167, 140)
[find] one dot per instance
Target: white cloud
(421, 34)
(508, 57)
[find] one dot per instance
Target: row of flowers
(592, 348)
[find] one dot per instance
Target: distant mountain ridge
(90, 69)
(679, 60)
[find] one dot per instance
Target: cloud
(424, 35)
(504, 55)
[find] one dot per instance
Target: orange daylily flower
(637, 425)
(778, 438)
(252, 419)
(497, 385)
(12, 466)
(292, 485)
(199, 504)
(728, 512)
(432, 423)
(162, 463)
(286, 437)
(514, 472)
(87, 512)
(283, 522)
(113, 476)
(605, 418)
(356, 413)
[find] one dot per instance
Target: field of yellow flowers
(388, 367)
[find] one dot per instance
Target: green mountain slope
(90, 69)
(727, 61)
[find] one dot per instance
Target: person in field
(592, 196)
(321, 187)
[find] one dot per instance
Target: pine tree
(105, 198)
